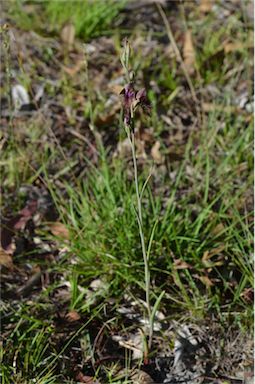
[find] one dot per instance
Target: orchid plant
(133, 99)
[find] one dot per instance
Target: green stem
(140, 225)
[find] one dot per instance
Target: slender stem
(139, 204)
(129, 128)
(146, 261)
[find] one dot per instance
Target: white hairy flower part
(19, 96)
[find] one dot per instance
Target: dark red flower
(142, 99)
(131, 100)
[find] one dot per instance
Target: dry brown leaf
(209, 254)
(206, 256)
(67, 34)
(25, 214)
(217, 250)
(238, 46)
(134, 343)
(81, 378)
(5, 259)
(248, 295)
(205, 6)
(205, 280)
(230, 47)
(72, 316)
(189, 52)
(59, 229)
(181, 264)
(155, 153)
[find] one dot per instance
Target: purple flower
(131, 100)
(142, 100)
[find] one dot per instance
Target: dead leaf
(133, 343)
(231, 47)
(72, 316)
(96, 288)
(81, 378)
(155, 153)
(205, 6)
(239, 45)
(67, 34)
(59, 229)
(206, 256)
(181, 264)
(205, 280)
(248, 295)
(209, 254)
(189, 53)
(26, 214)
(97, 285)
(217, 250)
(5, 259)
